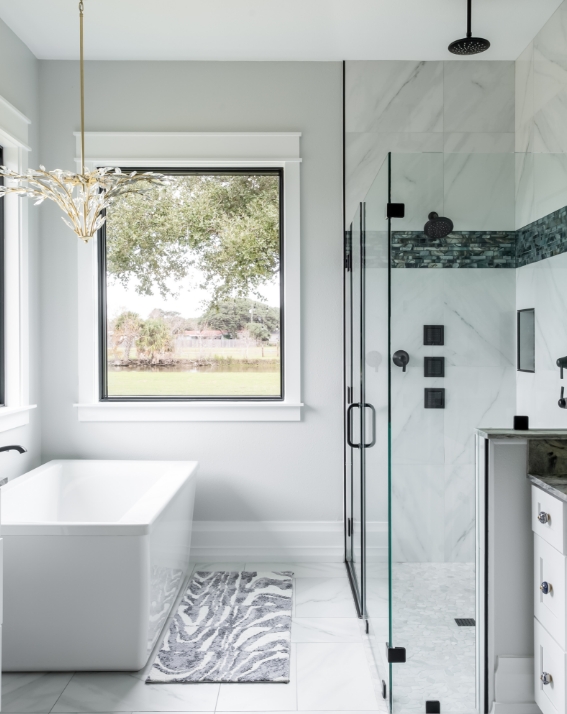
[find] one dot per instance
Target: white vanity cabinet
(549, 524)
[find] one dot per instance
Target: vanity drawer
(549, 608)
(552, 530)
(549, 658)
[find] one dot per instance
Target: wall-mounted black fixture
(562, 402)
(434, 366)
(437, 226)
(469, 45)
(396, 210)
(14, 447)
(433, 707)
(562, 364)
(433, 335)
(401, 359)
(526, 340)
(434, 398)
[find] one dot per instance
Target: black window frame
(2, 292)
(102, 295)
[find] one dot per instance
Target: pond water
(215, 367)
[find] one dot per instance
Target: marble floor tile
(334, 677)
(117, 692)
(304, 570)
(261, 697)
(325, 629)
(32, 692)
(323, 597)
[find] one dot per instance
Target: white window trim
(14, 140)
(195, 150)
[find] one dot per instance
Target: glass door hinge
(396, 655)
(396, 210)
(349, 529)
(349, 394)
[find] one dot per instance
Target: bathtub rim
(139, 520)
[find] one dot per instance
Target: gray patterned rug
(229, 627)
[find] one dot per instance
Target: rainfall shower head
(469, 45)
(437, 226)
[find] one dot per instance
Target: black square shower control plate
(434, 398)
(433, 335)
(434, 366)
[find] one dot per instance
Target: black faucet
(19, 449)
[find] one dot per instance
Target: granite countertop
(556, 486)
(531, 434)
(547, 466)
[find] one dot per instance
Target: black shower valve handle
(561, 363)
(562, 401)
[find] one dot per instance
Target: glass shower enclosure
(429, 325)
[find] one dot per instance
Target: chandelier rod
(82, 65)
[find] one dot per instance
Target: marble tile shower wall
(433, 449)
(541, 122)
(462, 115)
(456, 108)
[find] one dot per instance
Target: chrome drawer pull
(545, 587)
(546, 678)
(544, 517)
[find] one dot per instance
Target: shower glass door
(366, 399)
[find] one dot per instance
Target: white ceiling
(272, 29)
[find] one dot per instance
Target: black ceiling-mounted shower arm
(469, 45)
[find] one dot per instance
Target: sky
(189, 301)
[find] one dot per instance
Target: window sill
(189, 411)
(13, 417)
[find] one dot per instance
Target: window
(191, 289)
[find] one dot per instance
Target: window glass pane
(191, 286)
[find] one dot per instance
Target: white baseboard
(280, 541)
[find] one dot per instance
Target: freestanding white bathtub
(94, 555)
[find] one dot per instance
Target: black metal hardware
(401, 359)
(545, 587)
(19, 449)
(546, 678)
(434, 398)
(349, 426)
(395, 210)
(465, 621)
(367, 627)
(433, 335)
(349, 528)
(434, 366)
(543, 517)
(384, 690)
(521, 423)
(562, 402)
(433, 707)
(396, 655)
(561, 363)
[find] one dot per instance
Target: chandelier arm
(64, 190)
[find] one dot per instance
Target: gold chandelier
(82, 197)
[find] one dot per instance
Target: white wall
(249, 471)
(19, 72)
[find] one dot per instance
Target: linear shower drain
(465, 621)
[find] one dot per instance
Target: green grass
(190, 384)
